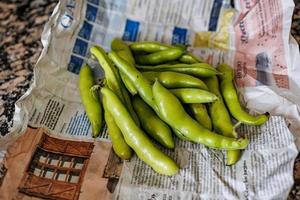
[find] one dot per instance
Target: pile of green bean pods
(153, 92)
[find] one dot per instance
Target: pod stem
(102, 82)
(94, 90)
(235, 126)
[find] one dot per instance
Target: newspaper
(261, 173)
(253, 37)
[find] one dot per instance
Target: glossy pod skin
(120, 147)
(90, 99)
(200, 113)
(124, 52)
(149, 47)
(173, 80)
(111, 74)
(113, 79)
(159, 57)
(142, 84)
(218, 112)
(152, 124)
(173, 113)
(230, 96)
(197, 69)
(192, 95)
(137, 139)
(190, 58)
(221, 119)
(130, 87)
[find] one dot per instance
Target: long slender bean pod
(190, 58)
(230, 96)
(191, 129)
(120, 147)
(136, 138)
(197, 69)
(174, 114)
(149, 47)
(124, 52)
(221, 119)
(152, 124)
(173, 80)
(159, 57)
(90, 99)
(113, 79)
(200, 113)
(192, 95)
(141, 83)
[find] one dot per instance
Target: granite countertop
(21, 25)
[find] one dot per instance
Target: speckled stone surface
(21, 25)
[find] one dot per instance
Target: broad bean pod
(200, 113)
(90, 99)
(197, 69)
(190, 58)
(173, 113)
(149, 47)
(192, 95)
(124, 52)
(230, 96)
(142, 84)
(173, 80)
(120, 146)
(113, 79)
(152, 124)
(159, 57)
(137, 139)
(221, 119)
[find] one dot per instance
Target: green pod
(122, 49)
(173, 113)
(113, 79)
(137, 139)
(120, 147)
(141, 83)
(159, 57)
(230, 96)
(90, 99)
(200, 113)
(221, 119)
(173, 80)
(197, 69)
(192, 95)
(149, 47)
(218, 112)
(124, 52)
(152, 124)
(180, 135)
(232, 156)
(190, 58)
(111, 73)
(130, 86)
(180, 46)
